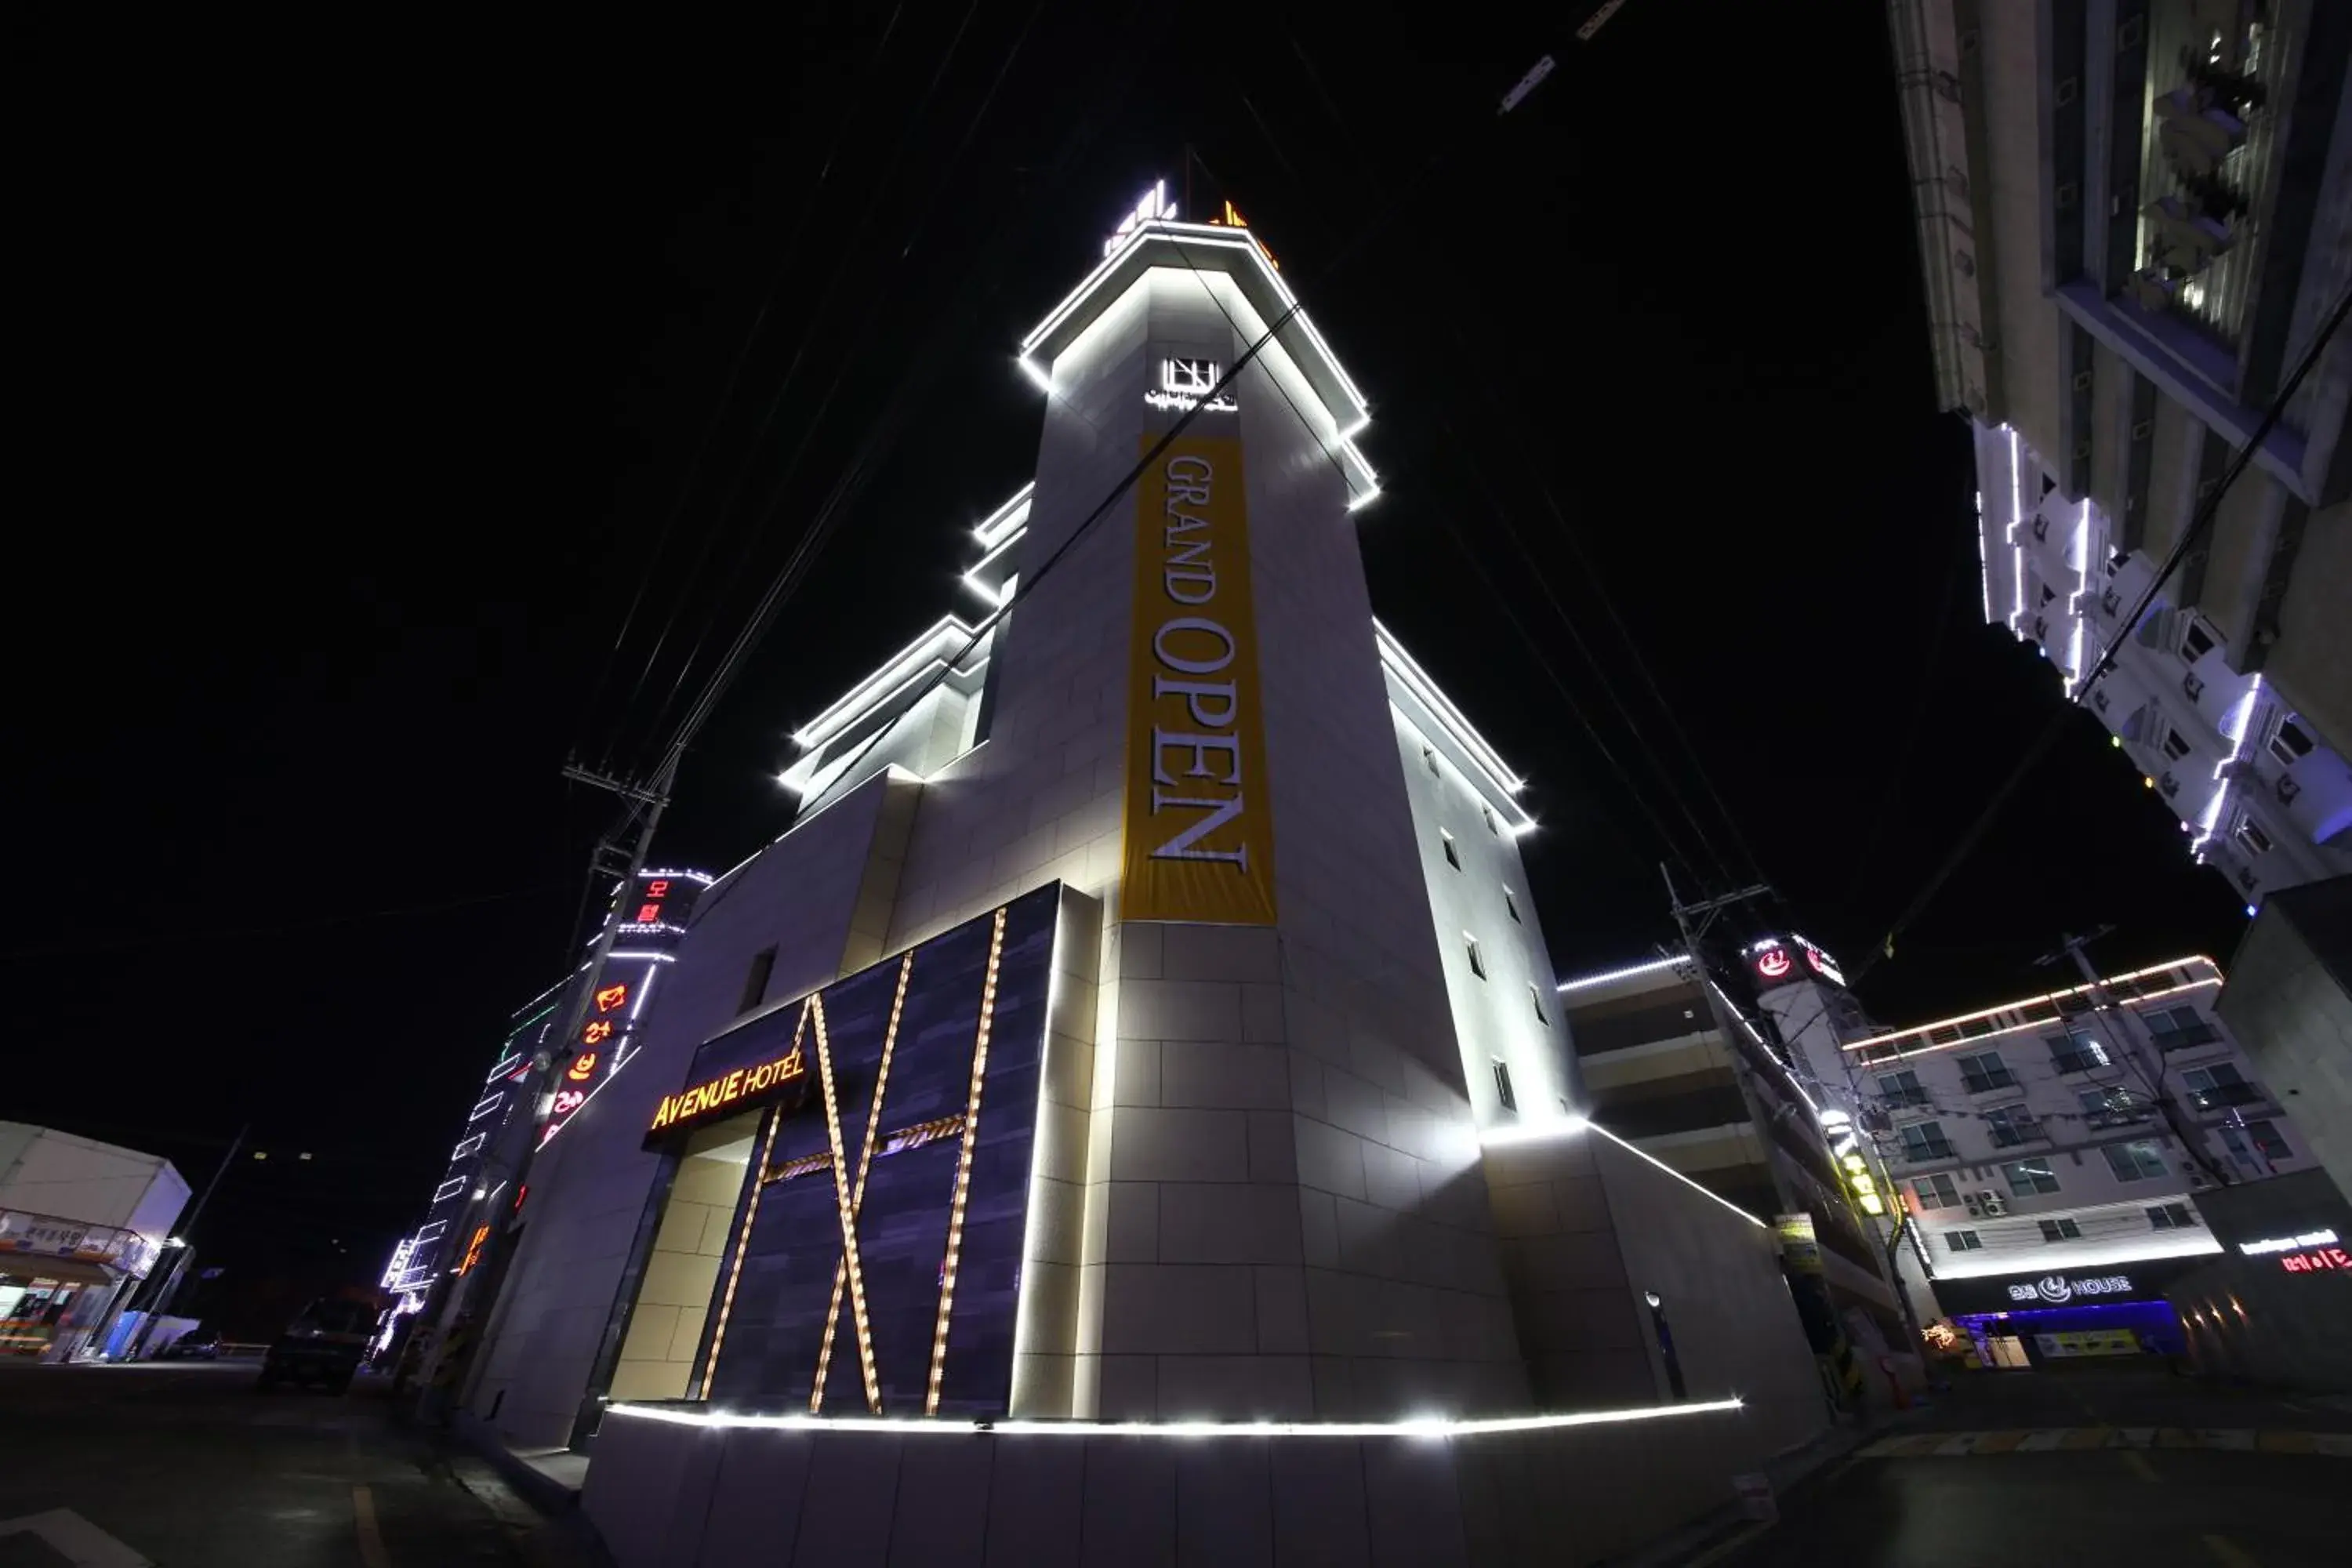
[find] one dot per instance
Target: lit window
(1963, 1240)
(1510, 905)
(1936, 1193)
(2136, 1161)
(2077, 1050)
(2172, 1216)
(2027, 1178)
(2061, 1230)
(1536, 997)
(1477, 959)
(1453, 856)
(1503, 1090)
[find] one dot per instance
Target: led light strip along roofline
(735, 1269)
(848, 1217)
(1436, 1427)
(963, 1167)
(857, 1195)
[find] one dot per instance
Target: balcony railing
(2188, 1035)
(1918, 1152)
(1903, 1096)
(2077, 1062)
(2119, 1116)
(2227, 1094)
(2008, 1135)
(1985, 1082)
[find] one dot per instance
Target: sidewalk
(535, 1492)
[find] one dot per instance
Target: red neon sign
(649, 914)
(583, 1069)
(2317, 1261)
(1773, 963)
(596, 1033)
(657, 889)
(611, 997)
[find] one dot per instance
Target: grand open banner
(1198, 839)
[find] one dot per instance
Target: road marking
(2221, 1547)
(2288, 1441)
(2137, 1463)
(2084, 1437)
(371, 1551)
(2000, 1442)
(75, 1539)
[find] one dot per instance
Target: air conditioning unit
(1974, 1202)
(1994, 1203)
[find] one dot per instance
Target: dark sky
(366, 408)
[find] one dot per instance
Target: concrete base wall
(664, 1495)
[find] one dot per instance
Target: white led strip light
(1437, 1427)
(1569, 1126)
(1628, 973)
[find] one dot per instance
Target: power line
(2199, 525)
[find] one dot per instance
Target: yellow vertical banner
(1199, 829)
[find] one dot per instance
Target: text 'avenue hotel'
(1131, 1103)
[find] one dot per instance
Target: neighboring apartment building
(2064, 1137)
(2289, 1003)
(2135, 216)
(1701, 1076)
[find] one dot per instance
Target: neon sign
(1183, 382)
(718, 1093)
(1233, 219)
(2287, 1242)
(1773, 963)
(610, 997)
(2057, 1290)
(582, 1069)
(2317, 1261)
(1154, 207)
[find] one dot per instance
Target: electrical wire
(782, 269)
(2200, 524)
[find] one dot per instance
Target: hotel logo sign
(2057, 1290)
(1199, 819)
(731, 1091)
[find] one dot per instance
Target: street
(186, 1466)
(2111, 1463)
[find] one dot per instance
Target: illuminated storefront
(64, 1276)
(2057, 1316)
(874, 1144)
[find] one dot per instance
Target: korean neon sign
(2316, 1261)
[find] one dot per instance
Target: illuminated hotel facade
(2134, 219)
(1131, 1103)
(2052, 1151)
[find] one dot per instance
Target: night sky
(365, 409)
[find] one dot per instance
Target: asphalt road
(2128, 1488)
(187, 1466)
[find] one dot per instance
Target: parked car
(323, 1346)
(196, 1345)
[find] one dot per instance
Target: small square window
(2134, 1161)
(1477, 957)
(2175, 746)
(1493, 827)
(1536, 997)
(1453, 856)
(2266, 1138)
(2250, 834)
(2195, 643)
(2027, 1178)
(1963, 1240)
(1937, 1191)
(1503, 1090)
(2172, 1216)
(1429, 760)
(2290, 745)
(2061, 1230)
(1511, 906)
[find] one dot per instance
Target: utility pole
(160, 1299)
(619, 856)
(2148, 1069)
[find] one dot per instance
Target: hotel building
(1130, 1106)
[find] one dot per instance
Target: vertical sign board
(1199, 821)
(653, 915)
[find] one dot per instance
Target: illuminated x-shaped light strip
(750, 1213)
(848, 1220)
(963, 1167)
(845, 1271)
